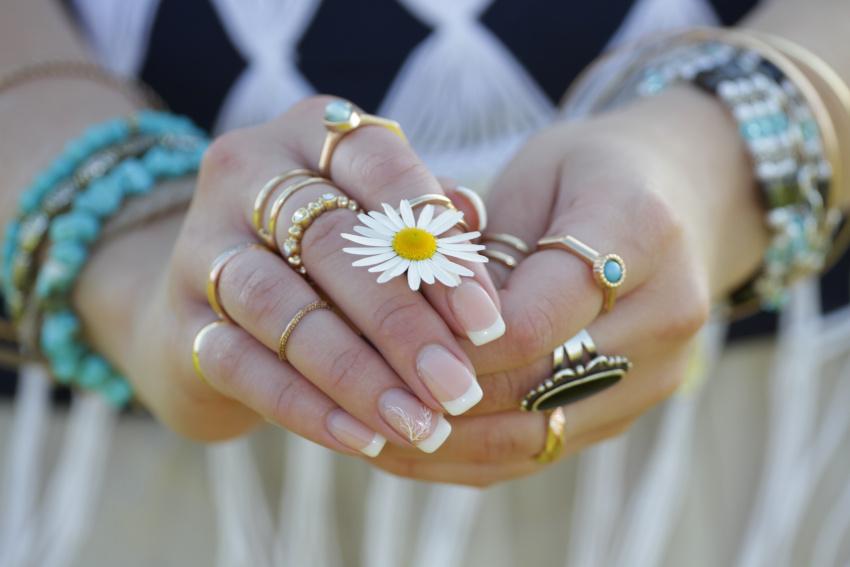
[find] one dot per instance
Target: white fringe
(447, 523)
(388, 520)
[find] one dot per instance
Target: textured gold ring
(303, 218)
(218, 265)
(439, 200)
(262, 199)
(280, 201)
(342, 118)
(196, 348)
(609, 270)
(293, 323)
(556, 433)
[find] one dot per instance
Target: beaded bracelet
(60, 337)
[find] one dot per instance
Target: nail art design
(417, 427)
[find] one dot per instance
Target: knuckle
(662, 224)
(284, 400)
(260, 295)
(347, 366)
(497, 444)
(379, 171)
(399, 319)
(690, 314)
(323, 237)
(225, 157)
(532, 333)
(232, 362)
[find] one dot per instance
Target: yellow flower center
(414, 244)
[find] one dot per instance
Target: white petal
(461, 247)
(468, 256)
(459, 237)
(444, 222)
(371, 251)
(386, 276)
(368, 232)
(397, 271)
(425, 271)
(374, 259)
(393, 216)
(450, 266)
(387, 265)
(413, 278)
(406, 213)
(425, 216)
(377, 222)
(366, 241)
(446, 278)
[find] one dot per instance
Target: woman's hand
(338, 388)
(665, 184)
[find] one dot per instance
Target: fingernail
(476, 201)
(476, 312)
(413, 420)
(354, 434)
(448, 379)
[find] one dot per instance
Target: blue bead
(338, 111)
(77, 225)
(94, 371)
(134, 177)
(102, 198)
(613, 271)
(117, 391)
(156, 161)
(65, 369)
(71, 253)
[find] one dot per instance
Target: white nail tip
(478, 203)
(461, 404)
(489, 334)
(375, 446)
(437, 438)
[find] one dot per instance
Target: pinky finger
(469, 474)
(239, 367)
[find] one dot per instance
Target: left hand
(665, 184)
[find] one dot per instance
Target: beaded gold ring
(304, 217)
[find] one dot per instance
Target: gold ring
(303, 218)
(216, 269)
(514, 242)
(503, 258)
(277, 206)
(290, 327)
(555, 436)
(196, 348)
(609, 270)
(262, 197)
(439, 200)
(578, 371)
(343, 117)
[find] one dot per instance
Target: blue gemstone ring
(609, 270)
(340, 119)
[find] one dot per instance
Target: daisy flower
(394, 242)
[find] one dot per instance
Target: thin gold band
(556, 432)
(293, 323)
(502, 258)
(218, 265)
(262, 199)
(439, 200)
(196, 348)
(514, 242)
(277, 207)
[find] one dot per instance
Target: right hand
(338, 388)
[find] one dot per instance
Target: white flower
(396, 242)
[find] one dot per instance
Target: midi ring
(280, 201)
(504, 258)
(196, 348)
(304, 217)
(578, 371)
(556, 433)
(439, 200)
(343, 117)
(262, 198)
(609, 270)
(293, 323)
(217, 267)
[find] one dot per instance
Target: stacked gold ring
(262, 199)
(509, 240)
(303, 218)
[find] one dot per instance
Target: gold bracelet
(137, 93)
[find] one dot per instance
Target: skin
(652, 182)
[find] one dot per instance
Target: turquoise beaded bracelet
(72, 234)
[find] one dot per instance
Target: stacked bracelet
(87, 184)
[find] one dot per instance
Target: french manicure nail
(354, 434)
(448, 379)
(476, 312)
(413, 420)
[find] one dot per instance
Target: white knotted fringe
(266, 34)
(387, 522)
(463, 99)
(834, 533)
(23, 466)
(118, 31)
(447, 524)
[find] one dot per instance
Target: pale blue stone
(613, 271)
(338, 111)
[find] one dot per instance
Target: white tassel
(23, 465)
(447, 523)
(266, 34)
(835, 532)
(118, 31)
(388, 521)
(307, 534)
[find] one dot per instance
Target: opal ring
(609, 270)
(556, 433)
(343, 117)
(578, 371)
